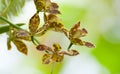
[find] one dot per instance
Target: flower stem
(52, 69)
(35, 41)
(11, 24)
(70, 45)
(5, 28)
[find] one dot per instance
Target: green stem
(70, 45)
(4, 29)
(11, 24)
(35, 41)
(52, 69)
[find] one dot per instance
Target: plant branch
(11, 24)
(4, 29)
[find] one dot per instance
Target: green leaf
(10, 7)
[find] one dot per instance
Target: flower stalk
(70, 45)
(11, 24)
(52, 68)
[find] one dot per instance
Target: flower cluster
(51, 22)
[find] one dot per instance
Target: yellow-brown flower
(46, 6)
(75, 35)
(54, 54)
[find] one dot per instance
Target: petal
(62, 30)
(40, 33)
(56, 47)
(77, 34)
(46, 58)
(88, 44)
(34, 23)
(51, 23)
(55, 26)
(52, 18)
(42, 30)
(74, 29)
(83, 32)
(54, 57)
(21, 46)
(74, 52)
(59, 58)
(44, 48)
(77, 41)
(54, 5)
(47, 4)
(70, 53)
(40, 5)
(21, 34)
(8, 43)
(80, 33)
(53, 9)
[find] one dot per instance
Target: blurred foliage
(70, 17)
(108, 2)
(47, 68)
(108, 55)
(10, 7)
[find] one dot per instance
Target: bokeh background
(102, 20)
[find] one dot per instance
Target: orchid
(46, 6)
(75, 35)
(16, 36)
(54, 54)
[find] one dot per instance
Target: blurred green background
(102, 20)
